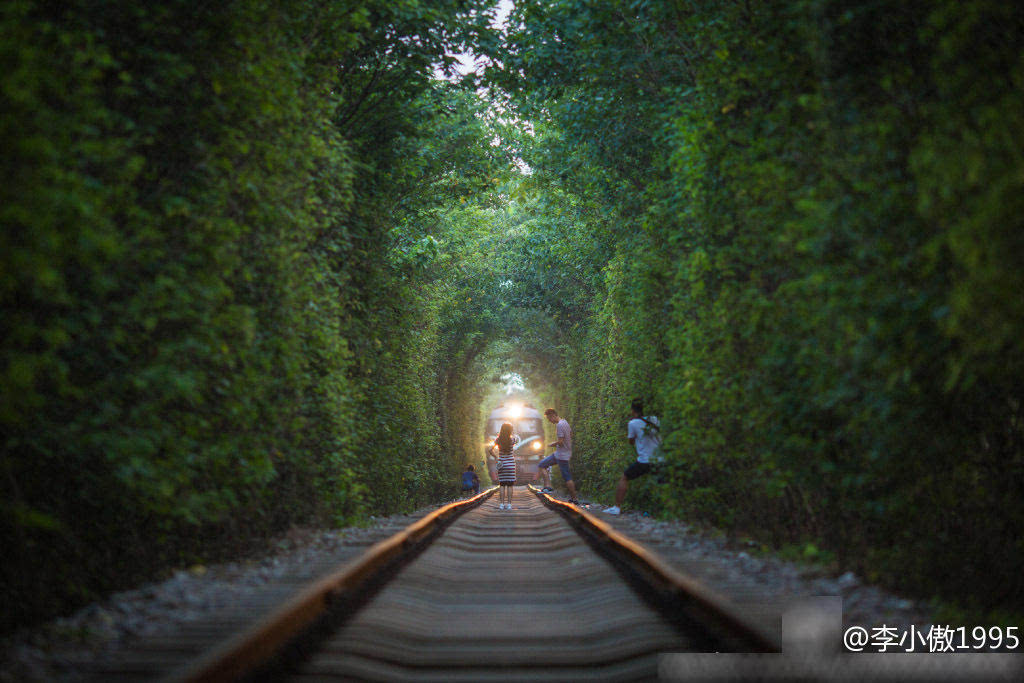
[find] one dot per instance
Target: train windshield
(523, 426)
(529, 425)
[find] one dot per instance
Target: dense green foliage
(215, 317)
(259, 266)
(794, 228)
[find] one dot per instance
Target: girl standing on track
(504, 443)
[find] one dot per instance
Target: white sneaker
(613, 510)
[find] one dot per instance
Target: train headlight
(536, 445)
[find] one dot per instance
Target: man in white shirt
(644, 433)
(561, 456)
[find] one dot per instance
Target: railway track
(474, 593)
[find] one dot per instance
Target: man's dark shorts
(563, 466)
(637, 469)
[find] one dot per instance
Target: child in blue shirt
(470, 480)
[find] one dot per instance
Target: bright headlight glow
(536, 445)
(515, 411)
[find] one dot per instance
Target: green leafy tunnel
(261, 262)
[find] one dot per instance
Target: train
(528, 424)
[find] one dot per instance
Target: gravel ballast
(237, 592)
(757, 581)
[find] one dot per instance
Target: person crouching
(470, 480)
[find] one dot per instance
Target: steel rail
(682, 599)
(244, 655)
(291, 632)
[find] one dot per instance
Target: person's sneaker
(613, 510)
(547, 489)
(573, 501)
